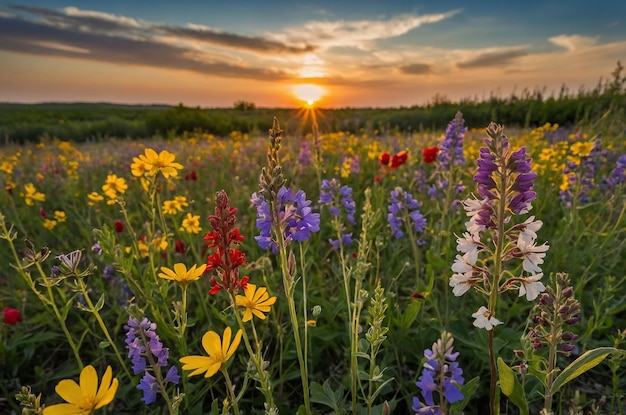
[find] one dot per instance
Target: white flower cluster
(468, 274)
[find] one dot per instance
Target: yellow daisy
(83, 399)
(181, 275)
(255, 301)
(162, 162)
(219, 352)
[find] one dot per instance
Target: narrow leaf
(100, 303)
(586, 361)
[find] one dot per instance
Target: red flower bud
(12, 316)
(119, 226)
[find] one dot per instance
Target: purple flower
(441, 374)
(142, 341)
(346, 240)
(338, 199)
(451, 147)
(297, 218)
(617, 175)
(404, 208)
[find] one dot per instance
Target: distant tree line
(20, 123)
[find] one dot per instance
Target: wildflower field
(475, 270)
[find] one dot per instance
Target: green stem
(52, 303)
(231, 391)
(94, 311)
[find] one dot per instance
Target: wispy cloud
(358, 33)
(574, 43)
(494, 58)
(416, 69)
(21, 36)
(232, 40)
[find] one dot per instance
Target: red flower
(119, 226)
(378, 179)
(43, 213)
(399, 159)
(12, 316)
(225, 260)
(384, 159)
(180, 247)
(430, 154)
(191, 176)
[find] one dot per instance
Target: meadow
(371, 271)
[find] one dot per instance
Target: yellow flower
(255, 301)
(83, 399)
(162, 162)
(49, 223)
(114, 185)
(60, 216)
(191, 224)
(138, 168)
(94, 197)
(171, 207)
(581, 149)
(182, 201)
(181, 275)
(33, 195)
(219, 352)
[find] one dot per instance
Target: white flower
(461, 283)
(533, 255)
(484, 319)
(531, 286)
(473, 206)
(465, 263)
(529, 231)
(469, 242)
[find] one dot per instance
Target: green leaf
(511, 387)
(410, 314)
(325, 395)
(586, 361)
(100, 303)
(104, 344)
(215, 407)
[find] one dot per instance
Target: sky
(275, 53)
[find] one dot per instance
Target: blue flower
(444, 382)
(451, 147)
(403, 207)
(297, 218)
(338, 199)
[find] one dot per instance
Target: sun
(309, 93)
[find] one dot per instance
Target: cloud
(574, 43)
(357, 33)
(21, 36)
(493, 58)
(235, 41)
(416, 69)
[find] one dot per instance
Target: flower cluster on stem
(148, 356)
(441, 376)
(338, 198)
(225, 237)
(504, 181)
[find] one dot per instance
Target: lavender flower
(148, 355)
(617, 175)
(338, 198)
(403, 208)
(297, 218)
(451, 147)
(441, 374)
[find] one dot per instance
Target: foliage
(351, 319)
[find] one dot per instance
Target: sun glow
(309, 93)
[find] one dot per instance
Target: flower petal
(108, 395)
(89, 381)
(211, 343)
(61, 409)
(69, 391)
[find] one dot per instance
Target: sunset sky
(358, 53)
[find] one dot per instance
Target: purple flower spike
(441, 374)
